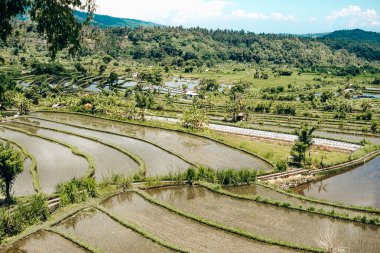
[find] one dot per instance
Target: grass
(279, 150)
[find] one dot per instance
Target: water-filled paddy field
(44, 242)
(157, 161)
(108, 161)
(181, 231)
(196, 149)
(99, 230)
(179, 218)
(360, 186)
(268, 221)
(55, 163)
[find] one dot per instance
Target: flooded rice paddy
(23, 184)
(175, 229)
(55, 163)
(254, 189)
(108, 161)
(99, 230)
(44, 242)
(196, 149)
(157, 161)
(268, 221)
(360, 186)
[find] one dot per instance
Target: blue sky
(270, 16)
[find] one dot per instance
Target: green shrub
(190, 175)
(24, 215)
(282, 165)
(77, 190)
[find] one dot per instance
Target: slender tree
(11, 164)
(55, 20)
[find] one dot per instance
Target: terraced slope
(187, 234)
(157, 161)
(108, 161)
(44, 242)
(254, 189)
(196, 149)
(55, 163)
(269, 221)
(97, 229)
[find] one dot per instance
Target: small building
(191, 94)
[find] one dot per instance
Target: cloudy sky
(270, 16)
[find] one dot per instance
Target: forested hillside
(362, 43)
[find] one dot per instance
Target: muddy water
(55, 163)
(253, 189)
(157, 161)
(23, 184)
(269, 221)
(199, 150)
(44, 242)
(360, 186)
(108, 161)
(178, 230)
(106, 234)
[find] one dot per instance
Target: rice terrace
(211, 126)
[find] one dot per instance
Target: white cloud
(169, 12)
(354, 16)
(260, 16)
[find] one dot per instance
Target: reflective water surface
(44, 242)
(360, 186)
(196, 149)
(269, 221)
(185, 233)
(106, 234)
(55, 163)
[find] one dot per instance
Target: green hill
(364, 44)
(356, 34)
(108, 21)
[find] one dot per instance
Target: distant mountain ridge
(109, 21)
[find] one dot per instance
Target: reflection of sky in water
(360, 186)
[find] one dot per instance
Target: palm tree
(22, 103)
